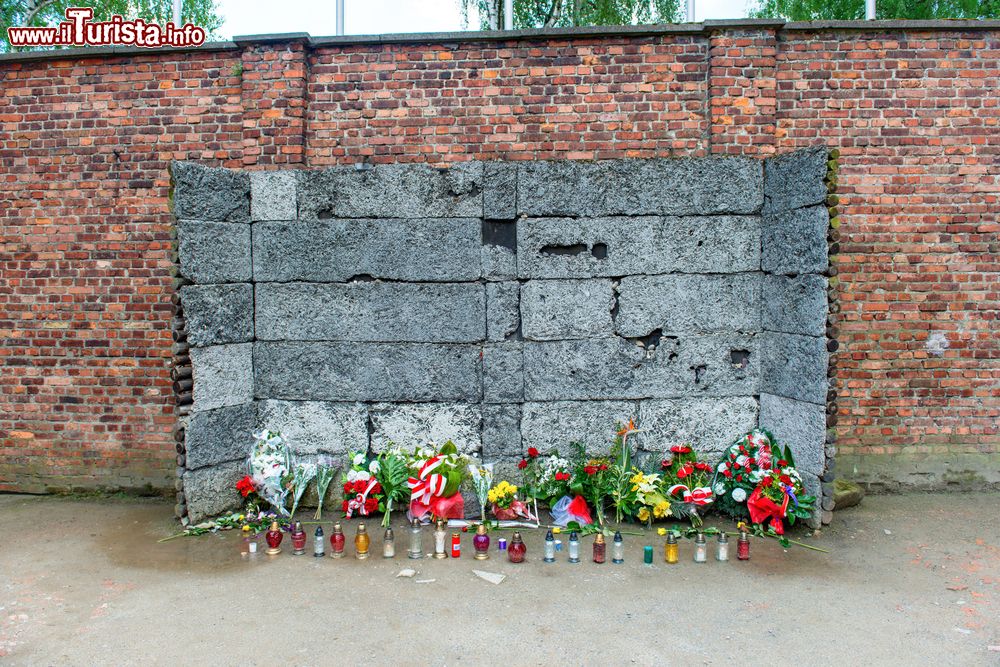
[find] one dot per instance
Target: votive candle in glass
(618, 549)
(516, 550)
(361, 542)
(337, 542)
(481, 543)
(416, 541)
(388, 544)
(574, 547)
(298, 539)
(700, 549)
(647, 554)
(743, 546)
(600, 549)
(670, 549)
(319, 543)
(273, 538)
(722, 548)
(439, 538)
(550, 548)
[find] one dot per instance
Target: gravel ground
(910, 579)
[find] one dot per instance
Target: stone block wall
(502, 306)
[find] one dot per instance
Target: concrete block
(556, 425)
(503, 315)
(412, 425)
(679, 366)
(392, 191)
(214, 252)
(688, 303)
(795, 241)
(800, 425)
(499, 190)
(705, 186)
(317, 427)
(338, 250)
(604, 247)
(794, 366)
(710, 425)
(208, 193)
(795, 304)
(371, 311)
(795, 179)
(501, 432)
(503, 373)
(212, 491)
(223, 375)
(218, 314)
(368, 371)
(220, 435)
(562, 309)
(273, 195)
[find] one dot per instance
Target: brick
(555, 426)
(503, 372)
(503, 315)
(796, 179)
(710, 425)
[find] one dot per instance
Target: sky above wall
(366, 17)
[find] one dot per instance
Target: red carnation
(590, 470)
(345, 506)
(562, 476)
(704, 467)
(767, 481)
(522, 464)
(750, 461)
(603, 466)
(245, 486)
(349, 487)
(532, 452)
(786, 479)
(728, 473)
(371, 504)
(377, 488)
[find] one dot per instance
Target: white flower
(359, 459)
(741, 460)
(362, 476)
(352, 475)
(373, 467)
(739, 494)
(722, 467)
(720, 488)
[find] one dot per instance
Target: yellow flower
(661, 531)
(643, 514)
(661, 509)
(637, 478)
(241, 517)
(556, 530)
(246, 529)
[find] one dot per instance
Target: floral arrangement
(302, 476)
(546, 478)
(622, 491)
(269, 468)
(649, 498)
(686, 481)
(591, 479)
(482, 480)
(506, 504)
(362, 491)
(326, 470)
(392, 472)
(756, 478)
(435, 478)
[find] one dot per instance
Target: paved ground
(909, 580)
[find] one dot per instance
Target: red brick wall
(85, 284)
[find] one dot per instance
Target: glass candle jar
(574, 548)
(273, 538)
(416, 541)
(550, 548)
(456, 545)
(743, 546)
(298, 539)
(670, 549)
(516, 550)
(502, 544)
(600, 549)
(618, 549)
(245, 542)
(361, 542)
(337, 541)
(388, 544)
(722, 548)
(319, 543)
(439, 537)
(700, 549)
(647, 554)
(481, 543)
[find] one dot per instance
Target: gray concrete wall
(503, 306)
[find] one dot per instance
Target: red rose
(766, 481)
(245, 486)
(522, 464)
(532, 452)
(562, 476)
(786, 479)
(345, 506)
(739, 478)
(590, 470)
(728, 473)
(750, 461)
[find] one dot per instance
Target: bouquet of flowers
(302, 476)
(649, 498)
(435, 478)
(482, 480)
(546, 478)
(686, 480)
(591, 479)
(506, 505)
(269, 469)
(326, 470)
(756, 478)
(392, 473)
(623, 491)
(362, 491)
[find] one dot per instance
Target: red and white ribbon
(358, 502)
(701, 495)
(427, 484)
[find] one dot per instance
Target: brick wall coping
(705, 27)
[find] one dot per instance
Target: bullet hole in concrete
(501, 233)
(739, 358)
(361, 278)
(699, 372)
(324, 214)
(574, 249)
(600, 250)
(649, 340)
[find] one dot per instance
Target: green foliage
(393, 473)
(203, 13)
(854, 10)
(567, 13)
